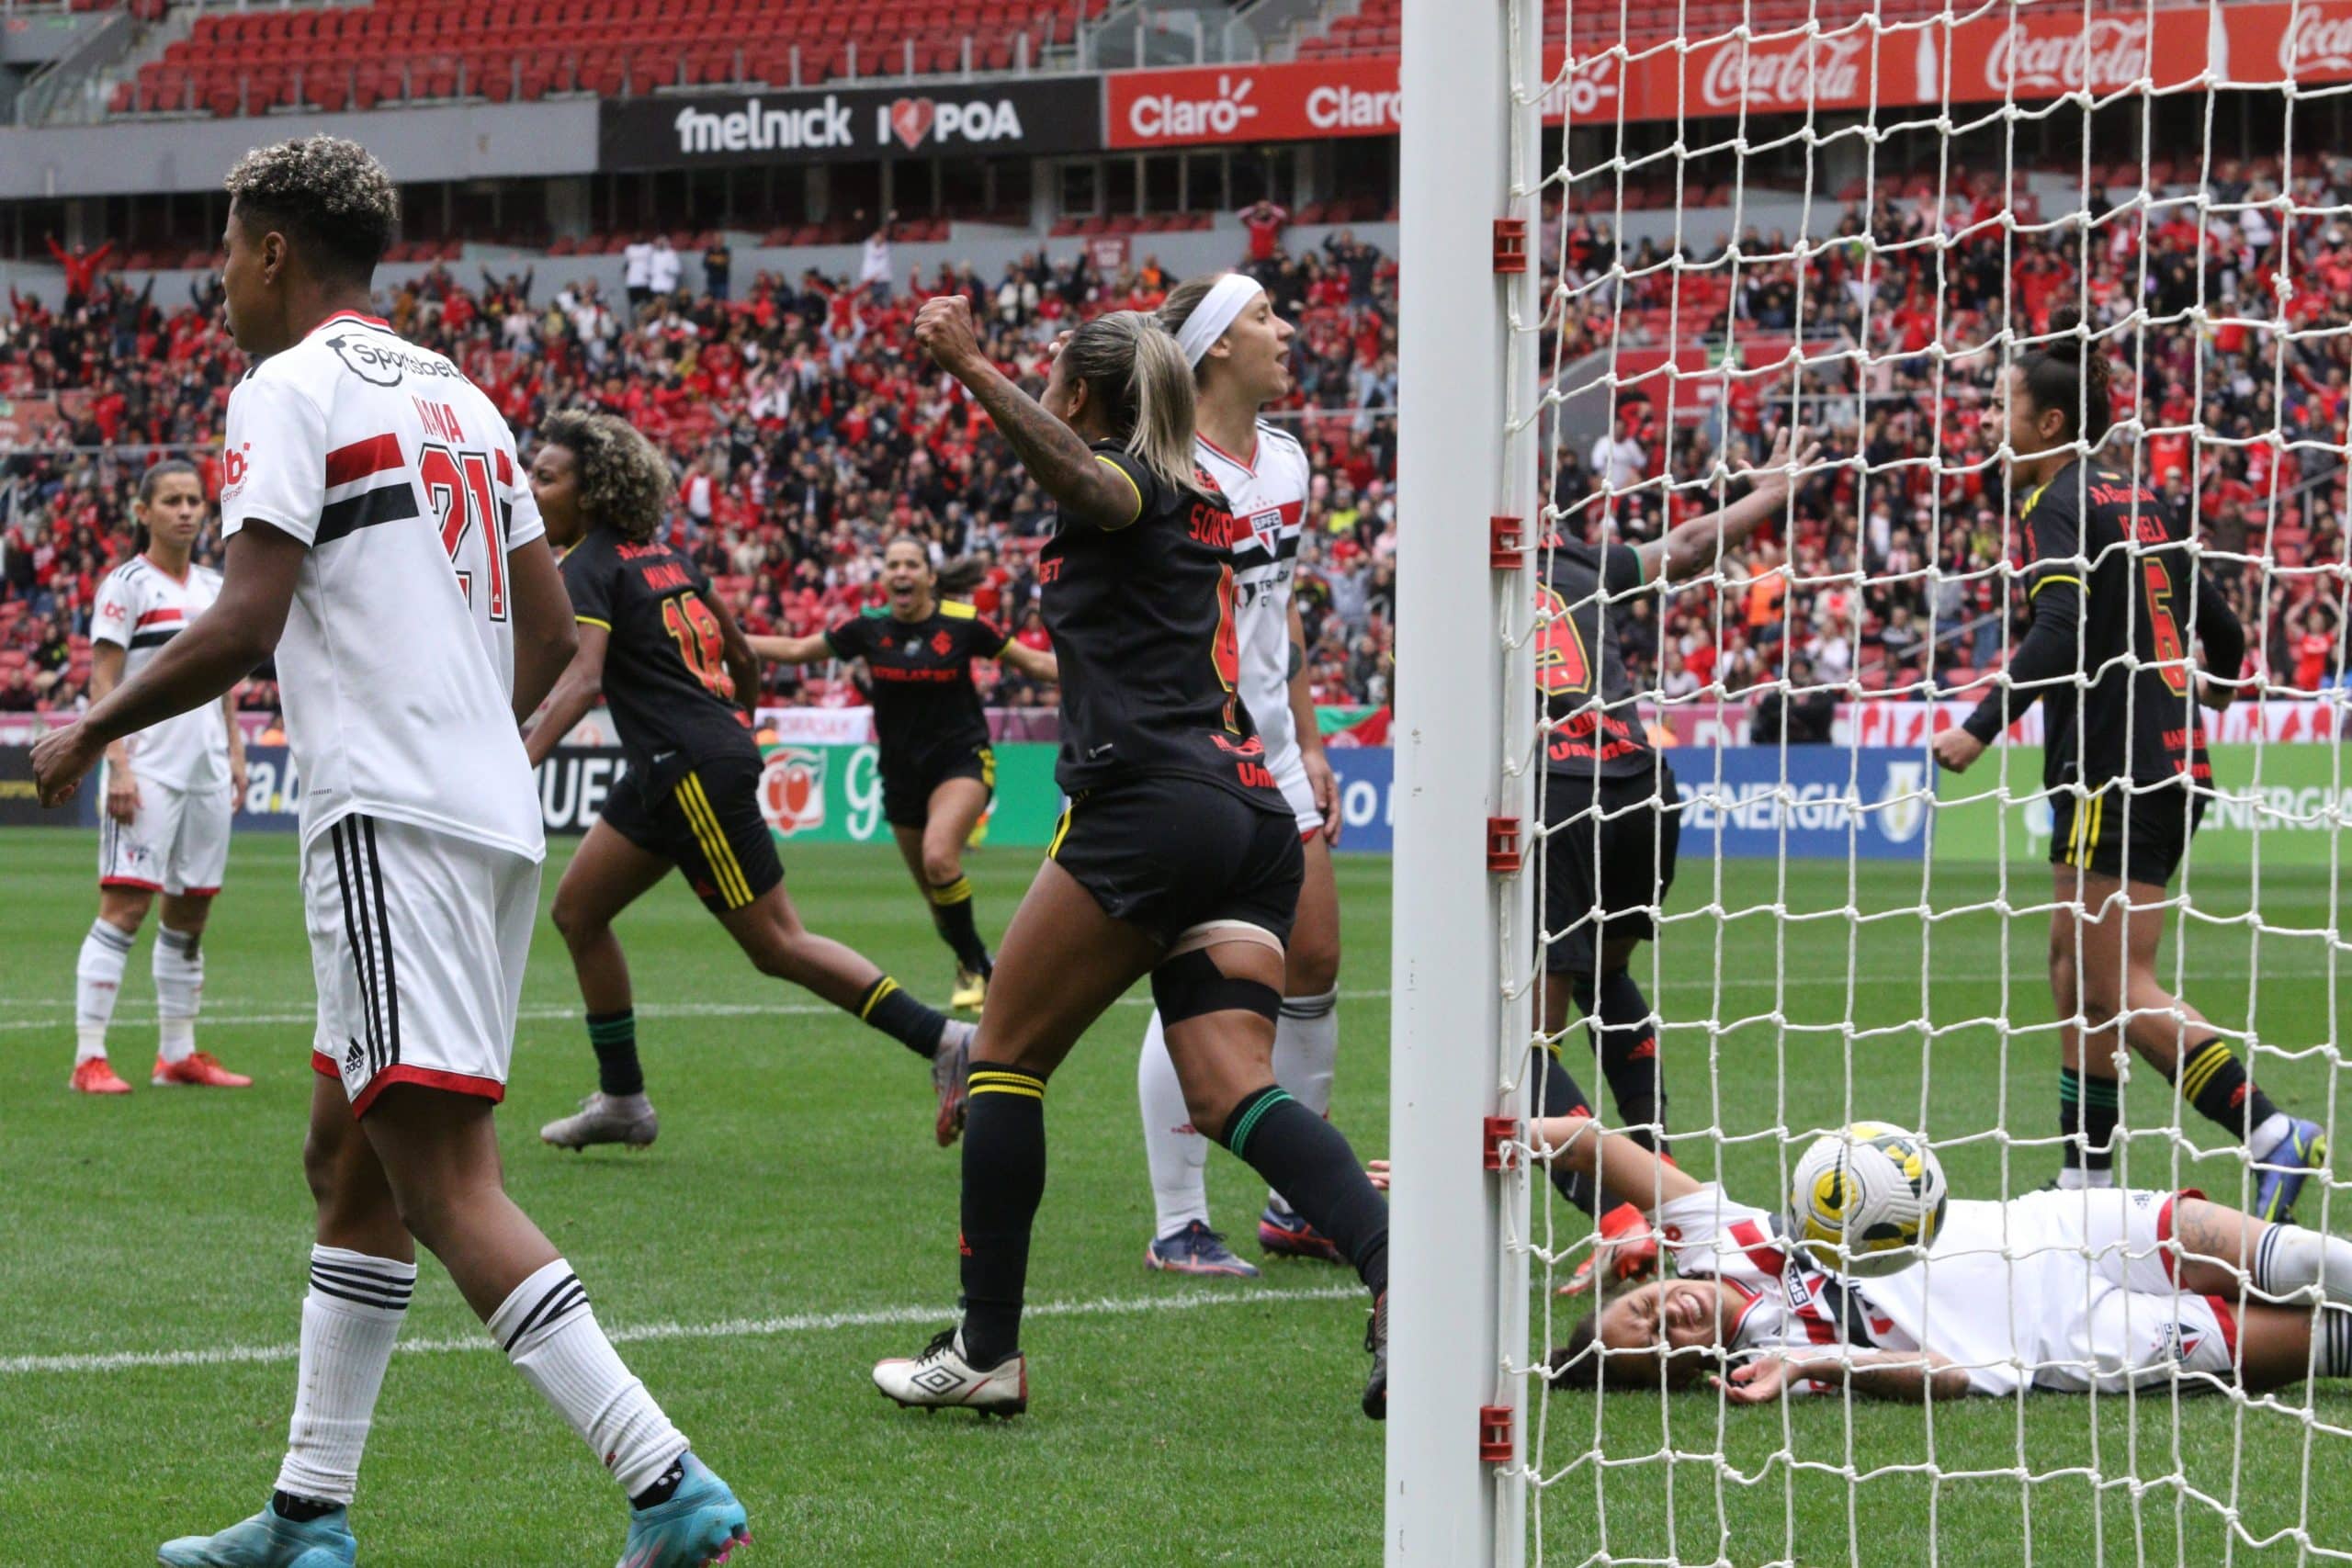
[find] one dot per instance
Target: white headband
(1205, 325)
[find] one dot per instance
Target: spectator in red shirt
(81, 265)
(1265, 223)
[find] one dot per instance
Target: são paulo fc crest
(792, 790)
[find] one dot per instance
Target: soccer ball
(1872, 1189)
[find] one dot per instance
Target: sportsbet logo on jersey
(792, 790)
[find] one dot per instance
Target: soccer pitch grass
(795, 1223)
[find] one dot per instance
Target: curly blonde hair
(624, 481)
(329, 194)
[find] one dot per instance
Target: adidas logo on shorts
(353, 1057)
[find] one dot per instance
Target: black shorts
(1168, 854)
(2091, 831)
(906, 791)
(1608, 864)
(707, 823)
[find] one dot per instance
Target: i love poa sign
(924, 119)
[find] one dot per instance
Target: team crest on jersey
(941, 643)
(792, 790)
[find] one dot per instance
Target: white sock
(2289, 1261)
(349, 1321)
(179, 989)
(2075, 1178)
(1177, 1156)
(548, 1331)
(1306, 1055)
(97, 981)
(2264, 1135)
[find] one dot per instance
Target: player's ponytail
(2071, 375)
(1130, 365)
(624, 481)
(959, 577)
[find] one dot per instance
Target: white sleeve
(275, 459)
(524, 523)
(1697, 1230)
(114, 613)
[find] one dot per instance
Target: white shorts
(2131, 1327)
(417, 944)
(178, 841)
(1289, 768)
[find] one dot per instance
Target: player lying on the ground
(2115, 581)
(1612, 817)
(931, 734)
(2100, 1289)
(1178, 858)
(663, 654)
(1240, 350)
(171, 791)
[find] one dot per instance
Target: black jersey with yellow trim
(1141, 616)
(2132, 713)
(1580, 670)
(920, 677)
(665, 678)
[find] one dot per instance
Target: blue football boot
(701, 1523)
(267, 1540)
(1196, 1249)
(2281, 1171)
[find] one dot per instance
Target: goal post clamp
(1496, 1136)
(1505, 541)
(1498, 1438)
(1503, 855)
(1510, 245)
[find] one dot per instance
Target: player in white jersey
(381, 543)
(1240, 353)
(2055, 1291)
(170, 791)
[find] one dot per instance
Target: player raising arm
(661, 650)
(1613, 822)
(2124, 761)
(930, 735)
(2071, 1291)
(1178, 858)
(170, 793)
(382, 546)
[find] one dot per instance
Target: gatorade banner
(2286, 808)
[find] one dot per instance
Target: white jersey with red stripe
(397, 665)
(2059, 1290)
(1267, 489)
(139, 607)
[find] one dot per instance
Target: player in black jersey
(2114, 579)
(1178, 857)
(931, 736)
(666, 658)
(1613, 822)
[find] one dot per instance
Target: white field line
(726, 1328)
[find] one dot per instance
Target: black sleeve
(1153, 495)
(2049, 653)
(588, 577)
(988, 638)
(2051, 534)
(1620, 570)
(2218, 629)
(848, 638)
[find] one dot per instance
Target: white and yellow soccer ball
(1867, 1199)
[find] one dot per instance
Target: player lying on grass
(661, 651)
(2065, 1292)
(1612, 817)
(931, 733)
(1178, 858)
(2115, 584)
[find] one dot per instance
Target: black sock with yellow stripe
(951, 911)
(2214, 1081)
(1004, 1180)
(1307, 1160)
(887, 1007)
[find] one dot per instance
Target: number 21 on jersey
(458, 485)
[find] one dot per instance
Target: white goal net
(1871, 217)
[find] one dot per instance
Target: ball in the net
(1867, 1199)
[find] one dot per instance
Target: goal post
(1463, 942)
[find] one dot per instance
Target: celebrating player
(2124, 764)
(931, 737)
(170, 793)
(1177, 858)
(661, 650)
(1614, 823)
(1239, 350)
(2068, 1292)
(381, 544)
